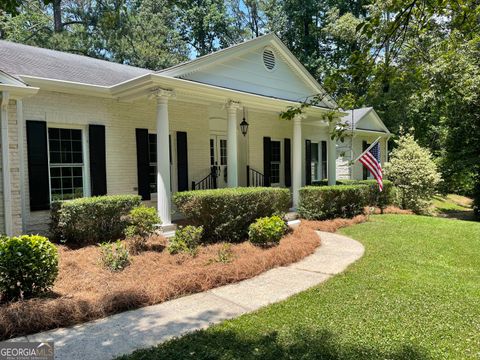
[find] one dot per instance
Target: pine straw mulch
(85, 291)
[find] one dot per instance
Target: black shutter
(308, 162)
(182, 161)
(288, 162)
(98, 162)
(143, 163)
(38, 179)
(267, 155)
(365, 171)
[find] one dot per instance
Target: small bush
(225, 214)
(414, 174)
(28, 266)
(92, 220)
(186, 240)
(142, 221)
(329, 202)
(114, 256)
(267, 230)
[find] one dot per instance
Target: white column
(7, 187)
(332, 156)
(232, 146)
(297, 159)
(163, 157)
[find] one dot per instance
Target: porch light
(244, 125)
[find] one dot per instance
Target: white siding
(248, 73)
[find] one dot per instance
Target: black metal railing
(254, 177)
(208, 182)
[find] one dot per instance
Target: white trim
(281, 173)
(85, 155)
(21, 155)
(7, 186)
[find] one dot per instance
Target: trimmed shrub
(92, 220)
(28, 266)
(267, 230)
(186, 240)
(328, 202)
(225, 214)
(114, 256)
(414, 173)
(377, 198)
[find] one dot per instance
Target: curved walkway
(125, 332)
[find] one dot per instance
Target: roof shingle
(18, 59)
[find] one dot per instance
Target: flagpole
(372, 145)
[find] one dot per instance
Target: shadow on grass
(299, 344)
(466, 215)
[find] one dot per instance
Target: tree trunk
(57, 16)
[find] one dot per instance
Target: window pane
(65, 134)
(314, 149)
(223, 152)
(64, 185)
(54, 133)
(275, 173)
(212, 152)
(275, 150)
(76, 134)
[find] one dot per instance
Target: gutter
(7, 188)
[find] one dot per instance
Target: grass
(452, 202)
(414, 295)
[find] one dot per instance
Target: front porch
(272, 152)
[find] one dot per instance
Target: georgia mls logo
(26, 350)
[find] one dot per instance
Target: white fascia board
(372, 132)
(19, 92)
(69, 87)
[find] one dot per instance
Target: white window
(152, 160)
(275, 161)
(67, 170)
(315, 162)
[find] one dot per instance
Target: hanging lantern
(244, 124)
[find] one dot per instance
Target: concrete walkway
(125, 332)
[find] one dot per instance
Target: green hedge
(376, 197)
(225, 214)
(92, 220)
(28, 266)
(328, 202)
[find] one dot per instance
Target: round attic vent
(269, 59)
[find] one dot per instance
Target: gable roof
(18, 59)
(361, 114)
(210, 60)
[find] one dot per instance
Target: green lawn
(453, 206)
(414, 295)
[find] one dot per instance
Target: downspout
(21, 158)
(7, 188)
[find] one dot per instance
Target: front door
(218, 158)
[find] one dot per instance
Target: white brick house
(74, 126)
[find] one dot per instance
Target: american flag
(371, 160)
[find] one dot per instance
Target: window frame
(317, 175)
(85, 155)
(280, 167)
